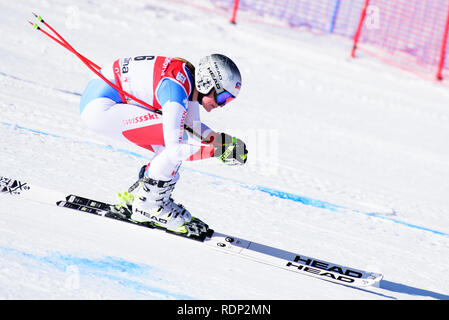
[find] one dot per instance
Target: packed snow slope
(348, 162)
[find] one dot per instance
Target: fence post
(234, 11)
(443, 50)
(334, 16)
(359, 28)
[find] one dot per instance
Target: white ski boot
(153, 203)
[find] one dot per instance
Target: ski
(98, 205)
(12, 186)
(104, 209)
(291, 261)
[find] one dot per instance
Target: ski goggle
(223, 98)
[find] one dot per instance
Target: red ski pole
(62, 41)
(62, 44)
(92, 66)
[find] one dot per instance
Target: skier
(177, 88)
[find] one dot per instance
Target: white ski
(291, 261)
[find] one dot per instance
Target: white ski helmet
(219, 72)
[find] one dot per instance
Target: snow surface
(348, 162)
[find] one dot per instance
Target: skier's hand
(230, 150)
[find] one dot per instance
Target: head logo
(212, 74)
(218, 71)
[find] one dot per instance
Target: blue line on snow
(279, 194)
(318, 203)
(273, 192)
(117, 270)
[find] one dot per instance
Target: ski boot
(149, 202)
(153, 203)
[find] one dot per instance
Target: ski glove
(230, 150)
